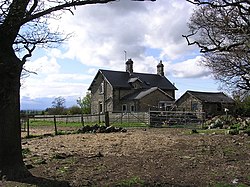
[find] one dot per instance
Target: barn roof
(211, 97)
(121, 79)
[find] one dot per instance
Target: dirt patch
(140, 157)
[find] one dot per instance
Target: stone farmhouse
(211, 103)
(128, 91)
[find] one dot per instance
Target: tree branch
(67, 4)
(29, 54)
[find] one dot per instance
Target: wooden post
(107, 119)
(82, 121)
(55, 125)
(66, 119)
(28, 126)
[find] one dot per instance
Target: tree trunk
(11, 160)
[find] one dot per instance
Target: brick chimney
(160, 69)
(129, 66)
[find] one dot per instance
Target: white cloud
(52, 87)
(50, 81)
(103, 32)
(191, 68)
(43, 65)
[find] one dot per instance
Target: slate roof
(121, 79)
(139, 94)
(211, 97)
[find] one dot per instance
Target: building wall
(214, 109)
(189, 103)
(151, 101)
(170, 93)
(118, 94)
(101, 101)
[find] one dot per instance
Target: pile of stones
(235, 125)
(100, 129)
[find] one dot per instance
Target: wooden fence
(104, 118)
(151, 118)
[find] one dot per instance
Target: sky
(147, 31)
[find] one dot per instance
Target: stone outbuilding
(211, 103)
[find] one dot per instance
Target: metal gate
(172, 118)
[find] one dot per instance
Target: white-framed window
(124, 108)
(100, 107)
(165, 105)
(101, 88)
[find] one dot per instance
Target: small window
(124, 108)
(162, 105)
(194, 107)
(101, 88)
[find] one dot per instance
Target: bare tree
(221, 29)
(23, 27)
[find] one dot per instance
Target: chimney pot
(129, 66)
(160, 69)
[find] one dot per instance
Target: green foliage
(134, 181)
(243, 107)
(233, 131)
(35, 123)
(74, 110)
(85, 103)
(25, 152)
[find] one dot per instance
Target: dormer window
(135, 82)
(101, 88)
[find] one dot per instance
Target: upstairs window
(101, 88)
(194, 106)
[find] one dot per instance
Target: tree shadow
(42, 182)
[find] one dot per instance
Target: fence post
(99, 117)
(55, 125)
(107, 119)
(82, 121)
(28, 126)
(67, 119)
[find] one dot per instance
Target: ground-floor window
(165, 105)
(132, 108)
(124, 108)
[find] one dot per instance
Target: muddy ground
(139, 157)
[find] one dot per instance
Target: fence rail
(107, 118)
(170, 118)
(151, 118)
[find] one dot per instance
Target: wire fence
(48, 124)
(56, 124)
